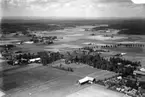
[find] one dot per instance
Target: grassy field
(30, 77)
(134, 50)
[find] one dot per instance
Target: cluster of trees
(100, 28)
(123, 66)
(46, 57)
(44, 27)
(91, 49)
(7, 51)
(8, 28)
(123, 45)
(49, 57)
(21, 58)
(45, 40)
(64, 68)
(118, 65)
(26, 56)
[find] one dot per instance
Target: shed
(35, 59)
(142, 69)
(86, 80)
(29, 42)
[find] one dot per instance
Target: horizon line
(66, 18)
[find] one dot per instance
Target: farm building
(34, 60)
(86, 80)
(28, 42)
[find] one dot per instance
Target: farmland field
(95, 91)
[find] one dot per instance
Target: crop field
(140, 58)
(72, 65)
(95, 91)
(134, 50)
(32, 76)
(93, 72)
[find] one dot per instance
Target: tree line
(49, 57)
(118, 65)
(121, 45)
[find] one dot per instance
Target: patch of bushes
(64, 68)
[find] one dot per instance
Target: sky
(73, 8)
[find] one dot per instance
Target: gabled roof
(85, 79)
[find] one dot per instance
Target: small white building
(142, 69)
(119, 77)
(123, 54)
(29, 42)
(86, 80)
(34, 60)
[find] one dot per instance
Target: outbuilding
(34, 60)
(86, 80)
(142, 69)
(29, 42)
